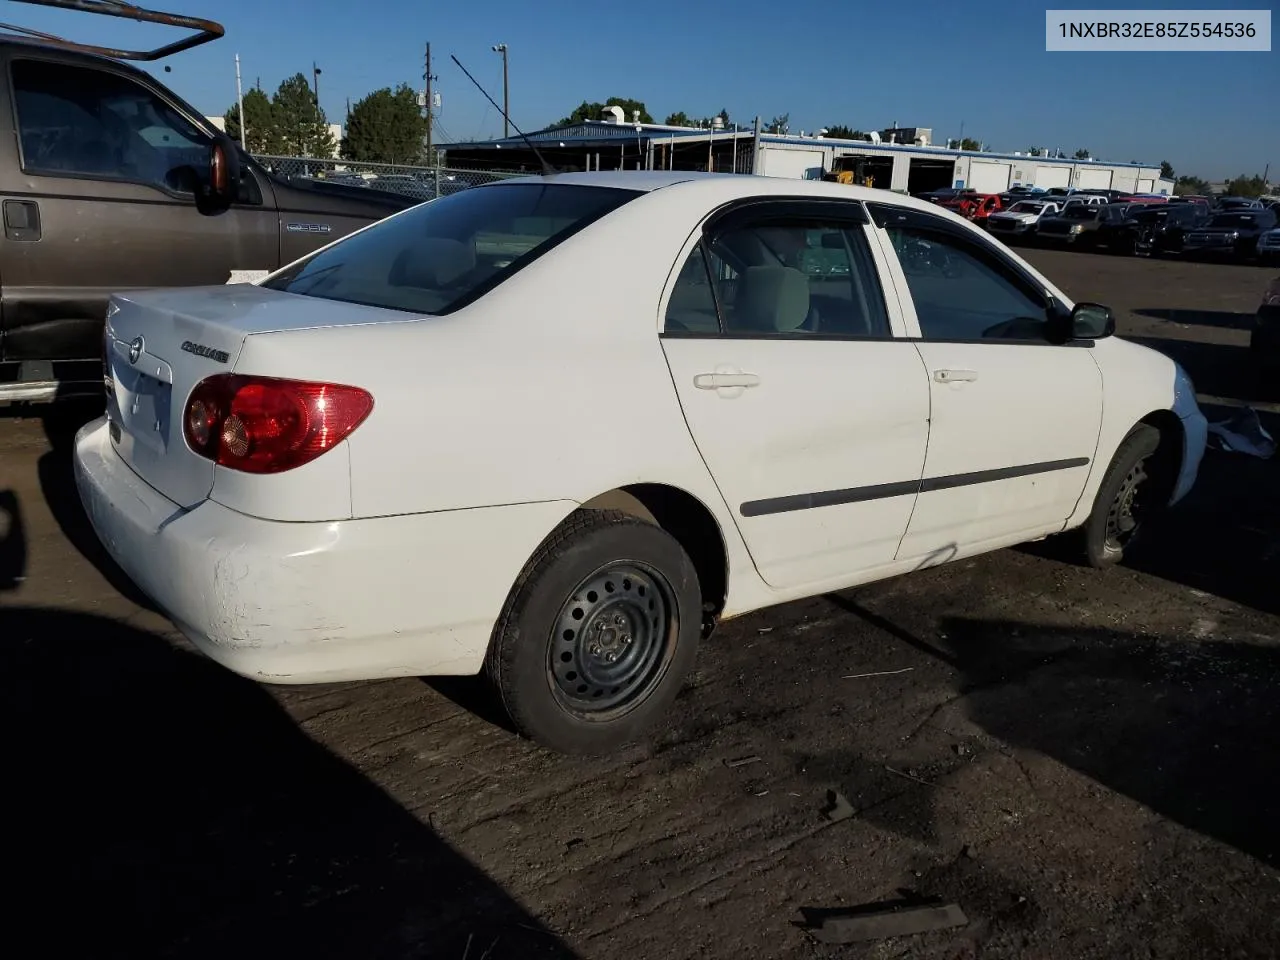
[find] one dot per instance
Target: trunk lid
(160, 343)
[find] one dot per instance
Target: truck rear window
(438, 257)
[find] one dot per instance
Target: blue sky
(925, 63)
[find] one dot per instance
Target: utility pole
(240, 106)
(428, 77)
(506, 90)
(315, 83)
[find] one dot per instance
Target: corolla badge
(135, 349)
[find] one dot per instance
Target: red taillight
(267, 425)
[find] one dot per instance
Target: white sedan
(554, 429)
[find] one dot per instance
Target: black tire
(635, 593)
(1108, 538)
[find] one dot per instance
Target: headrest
(772, 298)
(433, 262)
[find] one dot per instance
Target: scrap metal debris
(837, 808)
(741, 762)
(861, 923)
(878, 673)
(1243, 433)
(909, 776)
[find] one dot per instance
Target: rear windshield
(1026, 206)
(438, 257)
(1080, 212)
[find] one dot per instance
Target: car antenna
(547, 169)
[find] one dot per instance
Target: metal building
(912, 168)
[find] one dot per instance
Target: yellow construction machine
(852, 170)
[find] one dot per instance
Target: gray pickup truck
(110, 182)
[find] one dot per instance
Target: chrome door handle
(719, 381)
(955, 376)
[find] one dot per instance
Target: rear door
(810, 413)
(102, 200)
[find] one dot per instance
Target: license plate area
(143, 409)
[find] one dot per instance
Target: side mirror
(1092, 321)
(223, 182)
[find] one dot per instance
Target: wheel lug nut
(594, 650)
(611, 656)
(626, 638)
(617, 620)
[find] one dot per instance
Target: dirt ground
(1083, 761)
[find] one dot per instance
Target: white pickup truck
(1021, 219)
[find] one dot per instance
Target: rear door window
(439, 256)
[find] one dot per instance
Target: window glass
(692, 306)
(75, 120)
(795, 276)
(439, 256)
(962, 292)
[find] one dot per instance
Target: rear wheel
(1127, 499)
(597, 634)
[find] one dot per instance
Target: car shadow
(56, 475)
(1224, 319)
(13, 542)
(159, 806)
(1188, 727)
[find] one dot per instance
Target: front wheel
(1126, 500)
(598, 633)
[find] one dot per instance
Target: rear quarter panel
(553, 386)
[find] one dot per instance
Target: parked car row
(1232, 228)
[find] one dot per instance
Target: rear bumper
(314, 602)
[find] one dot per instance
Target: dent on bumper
(314, 602)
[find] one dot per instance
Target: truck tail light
(269, 425)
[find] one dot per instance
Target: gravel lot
(1083, 761)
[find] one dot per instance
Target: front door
(1015, 417)
(106, 187)
(810, 414)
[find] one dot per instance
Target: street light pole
(506, 90)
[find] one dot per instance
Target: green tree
(262, 135)
(779, 124)
(593, 111)
(1243, 186)
(838, 131)
(1034, 152)
(1081, 154)
(1166, 170)
(968, 143)
(678, 119)
(386, 127)
(304, 132)
(1196, 186)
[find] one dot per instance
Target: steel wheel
(1124, 517)
(612, 640)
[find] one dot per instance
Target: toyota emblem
(135, 350)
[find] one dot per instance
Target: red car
(975, 206)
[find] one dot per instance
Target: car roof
(722, 186)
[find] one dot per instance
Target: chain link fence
(422, 183)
